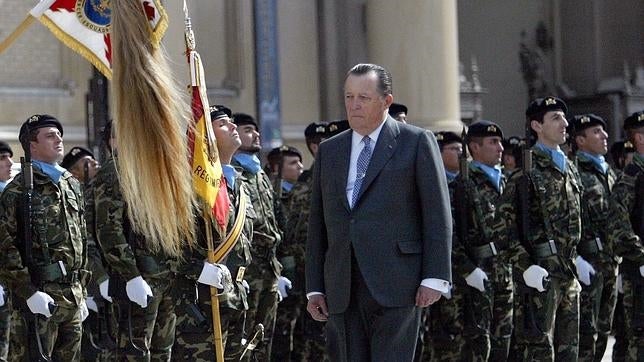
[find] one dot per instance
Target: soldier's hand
(84, 313)
(39, 303)
(283, 286)
(584, 270)
(2, 296)
(91, 304)
(104, 288)
(317, 308)
(426, 296)
(214, 275)
(476, 279)
(534, 276)
(138, 291)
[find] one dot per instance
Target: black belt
(55, 272)
(591, 247)
(485, 251)
(547, 249)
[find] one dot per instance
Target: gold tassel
(151, 117)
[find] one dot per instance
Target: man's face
(48, 146)
(5, 166)
(552, 132)
(489, 151)
(450, 154)
(401, 117)
(78, 169)
(250, 141)
(365, 106)
(291, 168)
(228, 140)
(509, 162)
(593, 140)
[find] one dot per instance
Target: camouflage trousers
(5, 327)
(100, 333)
(443, 328)
(597, 306)
(633, 285)
(194, 332)
(262, 305)
(309, 340)
(288, 313)
(59, 335)
(546, 324)
(621, 344)
(147, 334)
(487, 316)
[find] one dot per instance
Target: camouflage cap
(38, 121)
(4, 147)
(242, 119)
(546, 104)
(484, 128)
(580, 122)
(337, 127)
(218, 111)
(396, 108)
(635, 120)
(314, 130)
(284, 150)
(75, 154)
(445, 137)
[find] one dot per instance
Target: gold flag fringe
(150, 120)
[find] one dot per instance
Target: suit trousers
(367, 331)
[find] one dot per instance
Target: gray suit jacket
(400, 227)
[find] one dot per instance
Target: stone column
(417, 41)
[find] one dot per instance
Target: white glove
(91, 304)
(533, 277)
(1, 296)
(620, 284)
(104, 289)
(39, 302)
(138, 291)
(448, 295)
(83, 310)
(584, 270)
(283, 286)
(642, 270)
(246, 286)
(213, 275)
(476, 279)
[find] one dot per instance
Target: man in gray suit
(380, 230)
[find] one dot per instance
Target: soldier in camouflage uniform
(140, 281)
(596, 263)
(441, 330)
(55, 273)
(627, 230)
(194, 337)
(309, 341)
(5, 300)
(264, 272)
(481, 267)
(543, 240)
(289, 309)
(80, 162)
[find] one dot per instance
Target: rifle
(33, 337)
(460, 196)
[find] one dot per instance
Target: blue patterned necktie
(362, 164)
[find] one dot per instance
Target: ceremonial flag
(84, 26)
(207, 175)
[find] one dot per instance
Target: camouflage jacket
(125, 252)
(595, 211)
(266, 233)
(95, 261)
(58, 234)
(237, 260)
(554, 214)
(626, 210)
(480, 200)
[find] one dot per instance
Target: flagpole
(214, 297)
(6, 43)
